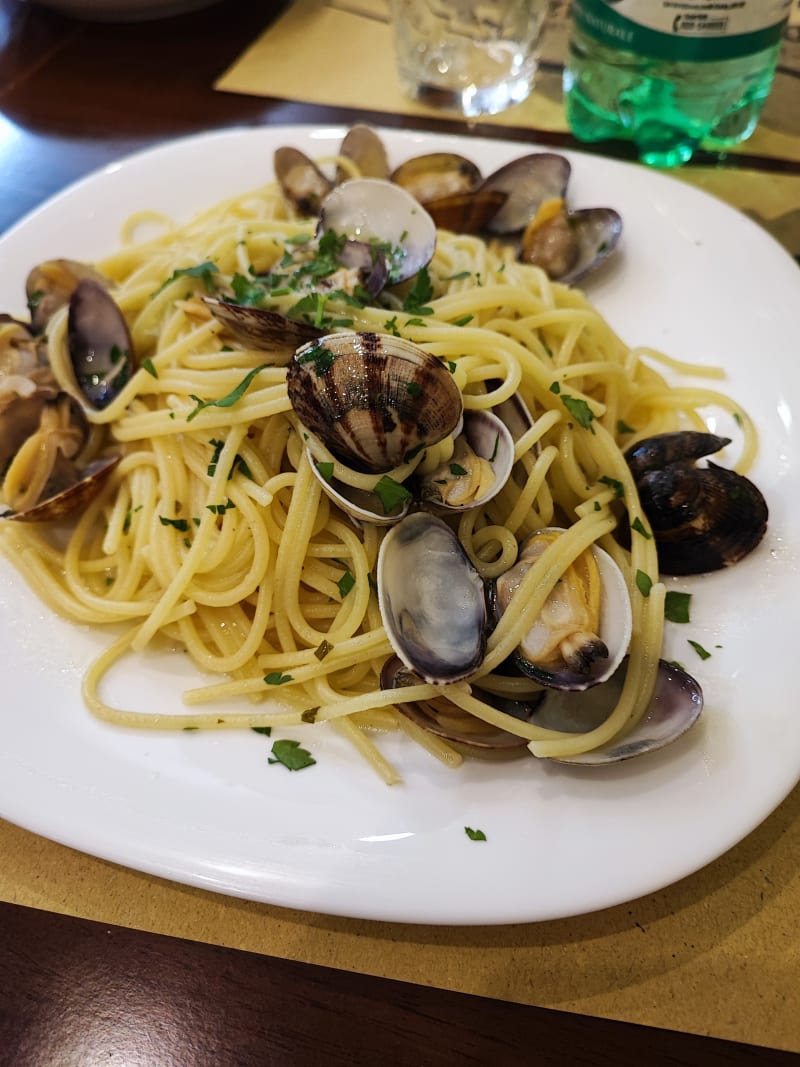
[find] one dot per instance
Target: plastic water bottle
(670, 74)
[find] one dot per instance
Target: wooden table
(88, 973)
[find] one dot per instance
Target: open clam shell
(590, 656)
(75, 496)
(361, 505)
(437, 174)
(467, 734)
(431, 599)
(301, 181)
(674, 708)
(365, 148)
(374, 400)
(572, 243)
(527, 182)
(50, 285)
(479, 468)
(378, 212)
(100, 346)
(262, 329)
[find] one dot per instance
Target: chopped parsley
(463, 320)
(623, 427)
(580, 411)
(147, 364)
(179, 524)
(246, 291)
(638, 526)
(644, 583)
(417, 297)
(265, 730)
(701, 652)
(129, 517)
(391, 493)
(212, 466)
(457, 470)
(676, 607)
(325, 469)
(322, 359)
(276, 678)
(322, 650)
(225, 401)
(291, 755)
(555, 388)
(345, 584)
(204, 271)
(612, 483)
(474, 835)
(414, 389)
(220, 509)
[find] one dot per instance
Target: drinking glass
(476, 58)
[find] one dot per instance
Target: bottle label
(684, 30)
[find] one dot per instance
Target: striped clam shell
(372, 399)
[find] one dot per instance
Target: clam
(583, 631)
(674, 708)
(369, 261)
(382, 214)
(449, 187)
(431, 599)
(362, 505)
(24, 366)
(363, 146)
(567, 245)
(99, 342)
(302, 182)
(527, 182)
(466, 733)
(262, 329)
(50, 285)
(525, 198)
(375, 401)
(436, 175)
(73, 497)
(480, 466)
(41, 438)
(702, 518)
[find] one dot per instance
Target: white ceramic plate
(693, 277)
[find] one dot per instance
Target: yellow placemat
(716, 954)
(339, 53)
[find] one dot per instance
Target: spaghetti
(213, 532)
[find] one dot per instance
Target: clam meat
(481, 463)
(583, 630)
